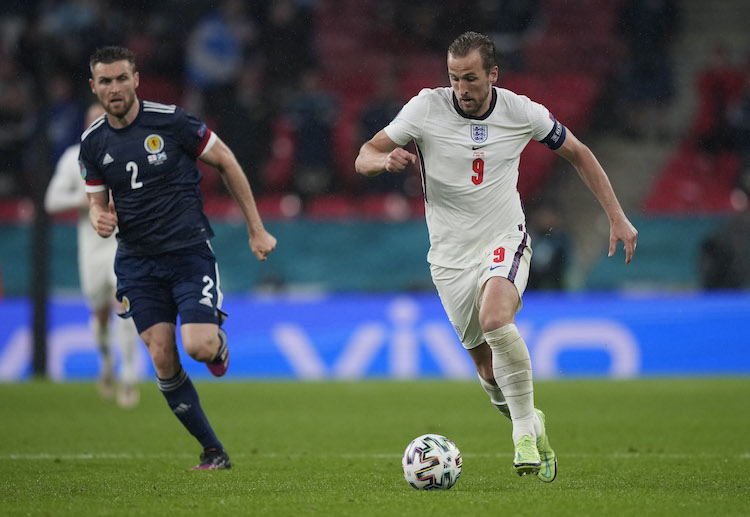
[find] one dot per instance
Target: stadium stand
(694, 182)
(702, 172)
(354, 42)
(355, 56)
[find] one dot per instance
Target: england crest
(479, 133)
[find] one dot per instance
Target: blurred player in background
(96, 258)
(145, 154)
(469, 140)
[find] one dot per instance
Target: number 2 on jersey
(132, 167)
(478, 166)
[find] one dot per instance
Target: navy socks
(184, 402)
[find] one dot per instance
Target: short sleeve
(544, 127)
(193, 135)
(540, 119)
(409, 123)
(90, 171)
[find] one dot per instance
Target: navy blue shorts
(156, 288)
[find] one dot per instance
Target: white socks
(496, 396)
(511, 365)
(127, 337)
(101, 336)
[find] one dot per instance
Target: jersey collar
(487, 113)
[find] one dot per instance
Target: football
(431, 461)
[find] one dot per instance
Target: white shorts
(96, 267)
(461, 290)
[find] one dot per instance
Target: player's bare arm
(593, 175)
(382, 154)
(102, 213)
(222, 158)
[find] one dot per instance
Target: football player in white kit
(96, 257)
(469, 139)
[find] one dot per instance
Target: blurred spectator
(378, 113)
(71, 16)
(648, 28)
(739, 120)
(64, 117)
(423, 25)
(216, 49)
(17, 125)
(30, 52)
(719, 85)
(552, 248)
(73, 29)
(244, 123)
(160, 59)
(510, 24)
(312, 112)
(286, 41)
(724, 257)
(427, 26)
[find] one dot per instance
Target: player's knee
(494, 320)
(201, 348)
(161, 360)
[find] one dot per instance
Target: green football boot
(548, 470)
(526, 460)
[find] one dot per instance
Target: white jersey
(96, 255)
(470, 167)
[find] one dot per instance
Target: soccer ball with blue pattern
(432, 461)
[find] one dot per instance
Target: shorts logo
(458, 331)
(154, 144)
(479, 133)
(126, 303)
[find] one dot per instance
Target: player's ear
(91, 84)
(136, 79)
(494, 73)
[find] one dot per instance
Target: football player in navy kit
(145, 154)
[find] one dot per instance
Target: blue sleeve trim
(556, 137)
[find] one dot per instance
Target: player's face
(114, 85)
(471, 83)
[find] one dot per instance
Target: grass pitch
(653, 447)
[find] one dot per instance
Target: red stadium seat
(693, 182)
(332, 206)
(391, 206)
(278, 206)
(277, 172)
(346, 144)
(16, 210)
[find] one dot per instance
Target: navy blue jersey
(150, 167)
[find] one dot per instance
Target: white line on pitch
(45, 456)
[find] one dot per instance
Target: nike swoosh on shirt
(475, 147)
(492, 268)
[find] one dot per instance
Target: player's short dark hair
(111, 54)
(468, 41)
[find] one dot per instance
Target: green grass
(654, 447)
